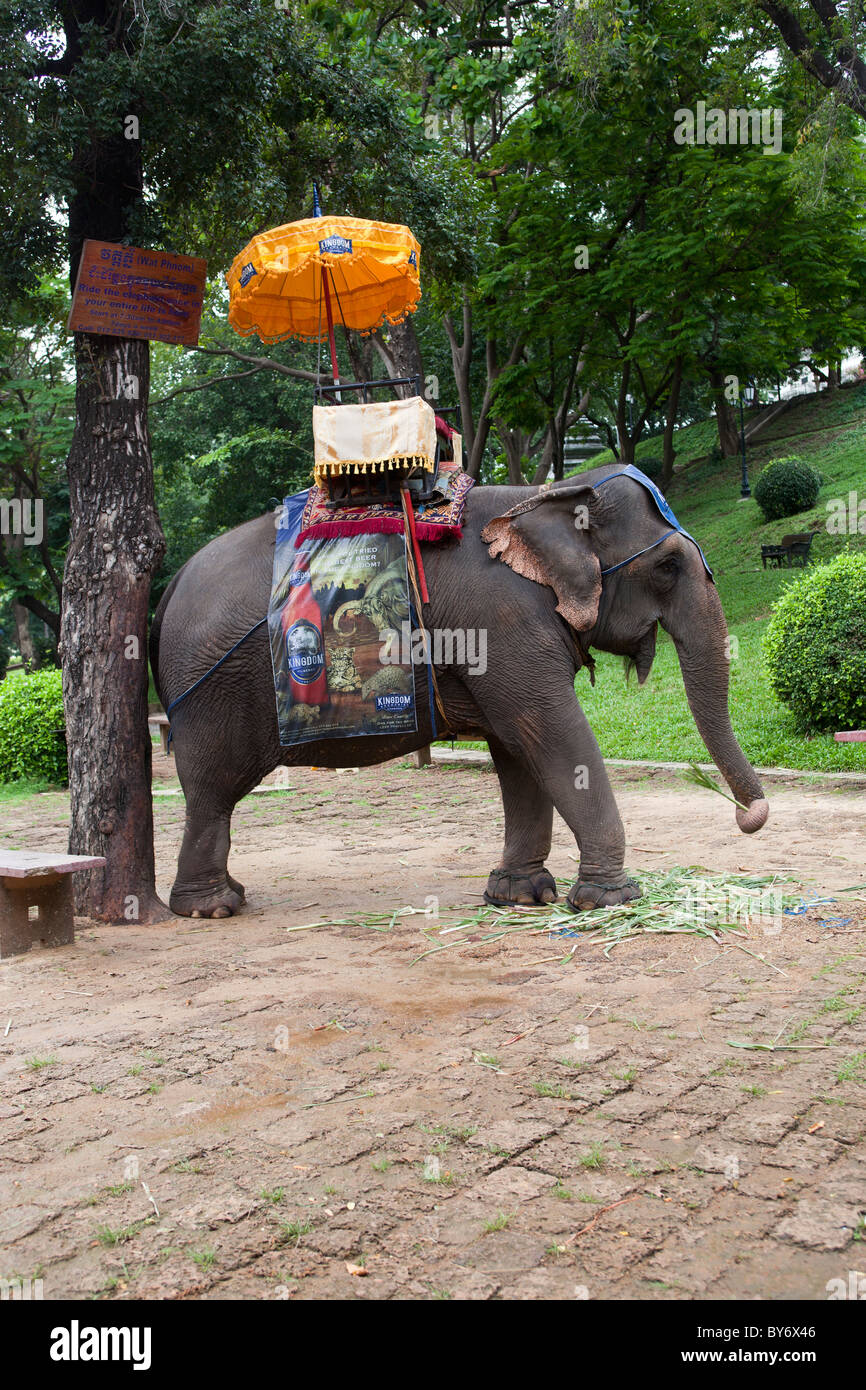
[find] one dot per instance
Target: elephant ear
(547, 539)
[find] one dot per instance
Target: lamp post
(749, 392)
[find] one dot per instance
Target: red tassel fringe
(380, 525)
(434, 531)
(369, 526)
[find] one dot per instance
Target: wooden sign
(129, 293)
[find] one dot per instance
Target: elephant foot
(236, 888)
(525, 887)
(224, 900)
(583, 895)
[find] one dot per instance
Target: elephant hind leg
(204, 887)
(521, 876)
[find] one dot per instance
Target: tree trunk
(20, 614)
(26, 646)
(115, 539)
(401, 354)
(553, 454)
(461, 362)
(726, 418)
(668, 454)
(475, 431)
(514, 442)
(116, 544)
(547, 462)
(626, 442)
(624, 437)
(360, 352)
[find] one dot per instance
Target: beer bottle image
(305, 646)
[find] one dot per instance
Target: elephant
(383, 602)
(588, 562)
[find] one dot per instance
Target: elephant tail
(153, 643)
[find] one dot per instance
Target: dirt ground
(227, 1110)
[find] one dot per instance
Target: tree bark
(515, 443)
(116, 544)
(624, 439)
(668, 454)
(360, 352)
(26, 646)
(726, 419)
(401, 354)
(845, 72)
(559, 423)
(461, 361)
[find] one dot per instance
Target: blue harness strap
(611, 568)
(628, 470)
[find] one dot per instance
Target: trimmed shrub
(787, 486)
(32, 734)
(815, 645)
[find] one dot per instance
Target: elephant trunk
(348, 609)
(702, 651)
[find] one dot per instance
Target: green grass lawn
(654, 722)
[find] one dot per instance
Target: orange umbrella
(296, 281)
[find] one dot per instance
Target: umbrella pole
(331, 343)
(335, 371)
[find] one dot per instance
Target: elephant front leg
(521, 875)
(568, 763)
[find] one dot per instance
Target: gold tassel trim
(345, 467)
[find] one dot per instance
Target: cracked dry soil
(484, 1124)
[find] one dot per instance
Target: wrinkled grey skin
(225, 735)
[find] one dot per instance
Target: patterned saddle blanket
(439, 519)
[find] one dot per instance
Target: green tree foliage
(227, 437)
(616, 266)
(706, 255)
(36, 413)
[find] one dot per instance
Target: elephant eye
(667, 570)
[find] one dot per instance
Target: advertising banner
(334, 602)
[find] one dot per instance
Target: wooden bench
(159, 724)
(791, 550)
(36, 898)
